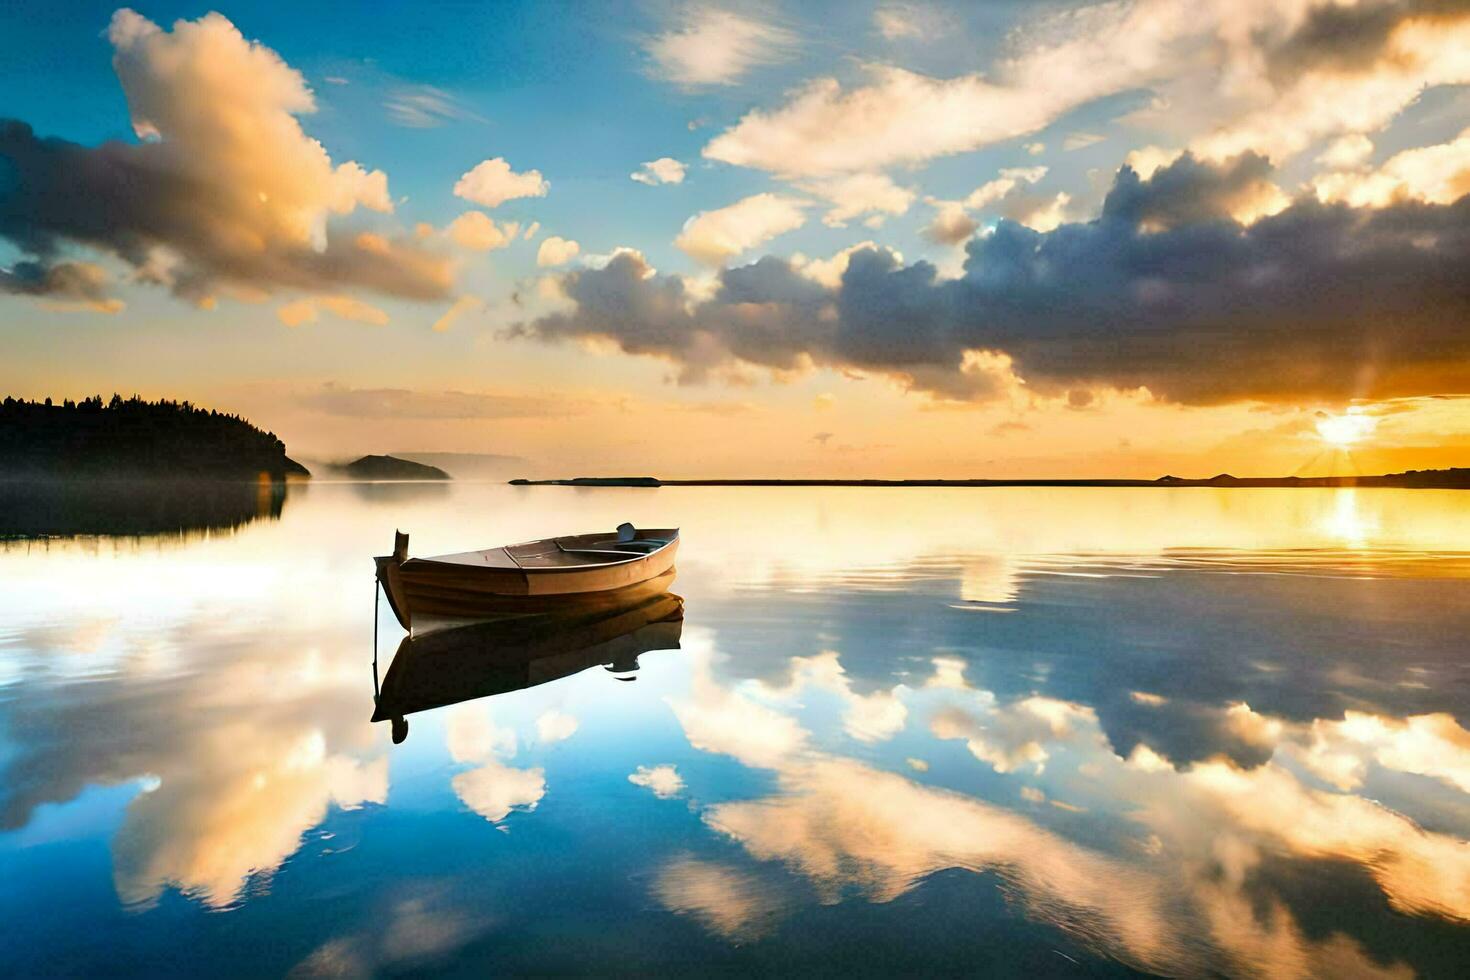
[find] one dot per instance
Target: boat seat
(628, 540)
(643, 546)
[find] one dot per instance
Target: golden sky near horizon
(912, 240)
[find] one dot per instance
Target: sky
(724, 239)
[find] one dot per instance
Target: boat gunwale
(534, 570)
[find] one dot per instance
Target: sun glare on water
(1346, 429)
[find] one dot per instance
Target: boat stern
(392, 582)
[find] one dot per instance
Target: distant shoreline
(1451, 479)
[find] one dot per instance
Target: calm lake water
(1006, 731)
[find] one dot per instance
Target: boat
(448, 666)
(573, 573)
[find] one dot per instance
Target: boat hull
(426, 588)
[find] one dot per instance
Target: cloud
(65, 285)
(1437, 174)
(403, 403)
(555, 726)
(763, 311)
(475, 230)
(665, 781)
(1045, 214)
(424, 107)
(1166, 290)
(894, 23)
(845, 826)
(1008, 181)
(858, 194)
(829, 272)
(716, 47)
(308, 310)
(664, 170)
(908, 22)
(725, 900)
(225, 191)
(1421, 873)
(1078, 141)
(1016, 735)
(899, 118)
(1347, 152)
(208, 838)
(1346, 70)
(1152, 731)
(1146, 160)
(715, 719)
(210, 809)
(1190, 193)
(1431, 745)
(492, 183)
(1228, 77)
(714, 237)
(494, 789)
(556, 251)
(422, 927)
(952, 224)
(873, 717)
(471, 735)
(465, 304)
(849, 828)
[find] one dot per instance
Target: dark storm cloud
(766, 314)
(1188, 192)
(1165, 289)
(1349, 39)
(79, 281)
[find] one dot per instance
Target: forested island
(135, 439)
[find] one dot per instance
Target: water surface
(1017, 731)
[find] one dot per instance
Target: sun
(1347, 429)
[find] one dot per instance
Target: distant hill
(392, 468)
(135, 439)
(626, 481)
(1456, 478)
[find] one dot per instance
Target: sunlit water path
(1010, 730)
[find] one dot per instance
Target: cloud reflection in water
(1210, 734)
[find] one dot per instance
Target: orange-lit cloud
(493, 182)
(714, 237)
(226, 191)
(725, 900)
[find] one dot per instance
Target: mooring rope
(377, 595)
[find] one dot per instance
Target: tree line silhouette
(135, 438)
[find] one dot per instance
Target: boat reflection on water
(462, 662)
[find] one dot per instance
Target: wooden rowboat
(576, 573)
